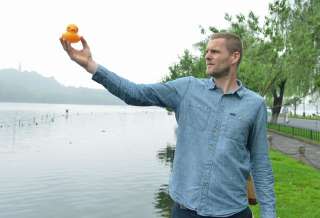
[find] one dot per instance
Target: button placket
(206, 184)
(210, 164)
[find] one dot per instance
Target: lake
(94, 161)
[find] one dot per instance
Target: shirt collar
(239, 91)
(211, 83)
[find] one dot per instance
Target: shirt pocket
(197, 116)
(236, 128)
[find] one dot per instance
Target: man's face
(218, 58)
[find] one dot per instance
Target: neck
(228, 83)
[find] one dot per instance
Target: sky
(137, 39)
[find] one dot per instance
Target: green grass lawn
(297, 188)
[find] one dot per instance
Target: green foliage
(297, 188)
(188, 65)
(281, 56)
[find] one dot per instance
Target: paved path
(291, 147)
(302, 123)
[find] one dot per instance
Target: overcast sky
(137, 39)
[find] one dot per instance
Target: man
(221, 136)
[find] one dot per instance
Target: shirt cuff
(268, 215)
(96, 75)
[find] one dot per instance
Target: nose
(207, 56)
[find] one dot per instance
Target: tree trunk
(295, 108)
(277, 101)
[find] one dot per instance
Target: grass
(297, 188)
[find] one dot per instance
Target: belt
(243, 213)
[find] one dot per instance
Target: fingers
(63, 43)
(67, 46)
(84, 43)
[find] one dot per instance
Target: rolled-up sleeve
(168, 94)
(260, 164)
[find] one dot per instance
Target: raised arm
(168, 94)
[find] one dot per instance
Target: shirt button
(207, 165)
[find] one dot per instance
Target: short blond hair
(233, 42)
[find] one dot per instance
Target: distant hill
(31, 87)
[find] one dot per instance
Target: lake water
(99, 161)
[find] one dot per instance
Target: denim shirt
(221, 139)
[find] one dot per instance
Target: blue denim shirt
(221, 139)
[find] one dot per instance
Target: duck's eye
(72, 28)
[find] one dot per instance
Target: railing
(296, 131)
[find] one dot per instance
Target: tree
(188, 65)
(281, 57)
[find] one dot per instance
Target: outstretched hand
(82, 57)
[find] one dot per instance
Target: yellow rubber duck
(71, 35)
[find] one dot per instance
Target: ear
(235, 57)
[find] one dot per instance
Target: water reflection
(97, 163)
(163, 201)
(166, 155)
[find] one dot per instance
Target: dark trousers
(181, 212)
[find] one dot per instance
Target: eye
(72, 28)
